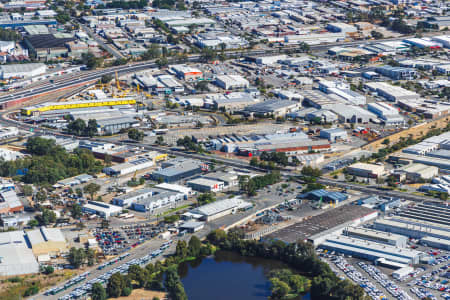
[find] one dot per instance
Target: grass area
(176, 209)
(13, 288)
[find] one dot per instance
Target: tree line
(251, 185)
(299, 256)
(49, 163)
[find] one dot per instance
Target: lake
(227, 276)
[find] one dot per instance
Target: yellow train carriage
(28, 111)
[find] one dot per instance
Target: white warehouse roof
(15, 256)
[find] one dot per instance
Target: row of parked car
(122, 269)
(384, 281)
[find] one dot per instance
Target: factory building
(186, 72)
(429, 212)
(444, 40)
(177, 171)
(391, 92)
(22, 70)
(228, 178)
(273, 107)
(366, 170)
(16, 258)
(219, 208)
(341, 27)
(377, 236)
(206, 185)
(387, 113)
(324, 115)
(319, 99)
(9, 202)
(342, 90)
(415, 172)
(325, 196)
(433, 242)
(352, 113)
(104, 210)
(232, 82)
(397, 73)
(47, 241)
(148, 199)
(334, 134)
(186, 191)
(370, 250)
(422, 43)
(129, 167)
(411, 228)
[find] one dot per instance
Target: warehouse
(422, 43)
(324, 115)
(371, 250)
(205, 185)
(48, 46)
(397, 73)
(341, 27)
(444, 40)
(316, 228)
(232, 82)
(319, 99)
(334, 134)
(433, 242)
(270, 60)
(325, 196)
(16, 258)
(148, 199)
(22, 70)
(273, 107)
(114, 125)
(366, 170)
(219, 208)
(192, 226)
(228, 177)
(309, 159)
(169, 85)
(411, 228)
(387, 113)
(9, 202)
(429, 212)
(391, 92)
(377, 236)
(234, 101)
(104, 210)
(415, 172)
(352, 113)
(47, 241)
(177, 172)
(186, 191)
(187, 73)
(129, 167)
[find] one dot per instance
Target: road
(99, 40)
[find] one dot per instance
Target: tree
(194, 246)
(115, 285)
(27, 190)
(77, 127)
(91, 188)
(79, 192)
(181, 249)
(48, 270)
(90, 255)
(106, 78)
(280, 289)
(98, 292)
(376, 35)
(173, 284)
(135, 134)
(76, 211)
(46, 217)
(202, 86)
(33, 223)
(40, 196)
(159, 140)
(76, 257)
(92, 128)
(39, 146)
(91, 61)
(162, 62)
(386, 142)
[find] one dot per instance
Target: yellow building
(49, 106)
(47, 241)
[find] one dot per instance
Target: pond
(227, 276)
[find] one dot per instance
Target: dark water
(228, 276)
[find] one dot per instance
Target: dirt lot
(416, 131)
(140, 294)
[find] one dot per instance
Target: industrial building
(415, 172)
(397, 73)
(9, 202)
(391, 92)
(320, 100)
(370, 250)
(49, 106)
(429, 212)
(22, 70)
(205, 184)
(232, 82)
(411, 227)
(104, 210)
(324, 115)
(352, 113)
(177, 171)
(278, 108)
(433, 242)
(186, 191)
(16, 258)
(131, 166)
(342, 90)
(377, 236)
(148, 199)
(228, 177)
(192, 226)
(316, 228)
(366, 170)
(325, 196)
(219, 208)
(334, 134)
(47, 241)
(383, 204)
(186, 72)
(48, 46)
(387, 113)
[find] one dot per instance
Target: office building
(104, 210)
(366, 170)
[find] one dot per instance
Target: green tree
(77, 127)
(115, 286)
(27, 190)
(91, 188)
(46, 217)
(181, 249)
(76, 211)
(106, 78)
(194, 246)
(135, 134)
(76, 257)
(98, 292)
(48, 270)
(280, 289)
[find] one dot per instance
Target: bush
(32, 290)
